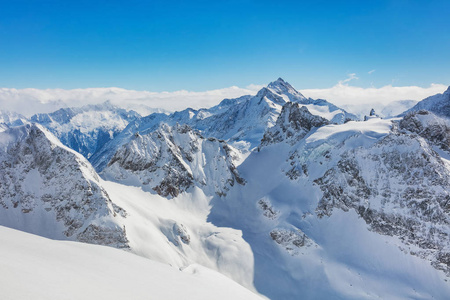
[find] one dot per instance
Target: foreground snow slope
(175, 231)
(33, 267)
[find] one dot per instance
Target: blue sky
(203, 45)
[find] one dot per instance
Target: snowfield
(33, 267)
(176, 232)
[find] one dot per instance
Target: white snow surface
(12, 118)
(151, 224)
(33, 267)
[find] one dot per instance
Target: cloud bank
(29, 101)
(342, 94)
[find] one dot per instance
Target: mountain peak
(280, 87)
(279, 83)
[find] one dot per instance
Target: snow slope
(176, 232)
(326, 219)
(38, 268)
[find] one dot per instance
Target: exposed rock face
(400, 187)
(372, 114)
(292, 125)
(429, 126)
(268, 210)
(291, 240)
(172, 159)
(47, 189)
(181, 231)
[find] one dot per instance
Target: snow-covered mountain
(438, 104)
(171, 160)
(241, 122)
(86, 129)
(350, 211)
(12, 119)
(246, 119)
(395, 108)
(50, 190)
(323, 207)
(53, 191)
(292, 125)
(3, 127)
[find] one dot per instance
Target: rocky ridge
(292, 125)
(170, 160)
(50, 190)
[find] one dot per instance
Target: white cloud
(341, 94)
(255, 87)
(371, 71)
(30, 101)
(351, 76)
(359, 100)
